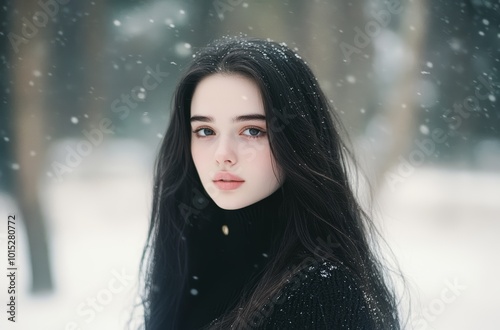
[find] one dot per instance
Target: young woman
(254, 224)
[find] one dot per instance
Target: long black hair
(320, 205)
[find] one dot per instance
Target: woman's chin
(230, 205)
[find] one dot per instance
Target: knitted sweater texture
(322, 296)
(227, 255)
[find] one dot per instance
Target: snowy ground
(98, 218)
(443, 226)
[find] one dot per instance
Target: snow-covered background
(85, 98)
(442, 225)
(98, 223)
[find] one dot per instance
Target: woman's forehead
(226, 97)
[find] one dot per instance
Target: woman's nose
(225, 152)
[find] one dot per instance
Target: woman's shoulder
(322, 295)
(323, 279)
(319, 272)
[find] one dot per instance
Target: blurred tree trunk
(326, 26)
(402, 120)
(205, 24)
(352, 83)
(28, 74)
(95, 83)
(6, 113)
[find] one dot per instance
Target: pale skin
(229, 135)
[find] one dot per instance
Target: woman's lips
(226, 176)
(228, 185)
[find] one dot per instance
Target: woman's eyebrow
(235, 120)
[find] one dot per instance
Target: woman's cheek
(257, 152)
(248, 153)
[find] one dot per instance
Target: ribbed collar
(252, 230)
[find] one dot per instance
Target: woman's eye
(254, 132)
(197, 132)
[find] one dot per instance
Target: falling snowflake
(325, 273)
(141, 94)
(424, 129)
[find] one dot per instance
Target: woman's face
(229, 141)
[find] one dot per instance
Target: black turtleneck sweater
(229, 251)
